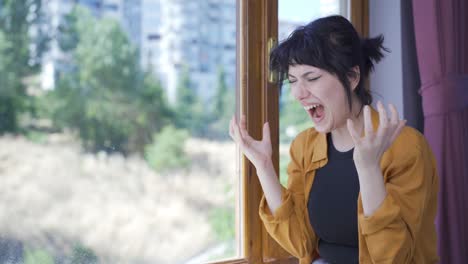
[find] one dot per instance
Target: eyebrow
(303, 75)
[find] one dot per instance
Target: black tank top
(333, 207)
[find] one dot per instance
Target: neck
(341, 137)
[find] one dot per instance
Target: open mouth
(316, 112)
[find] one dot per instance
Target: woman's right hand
(258, 152)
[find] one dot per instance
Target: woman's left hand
(368, 150)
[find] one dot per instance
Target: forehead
(298, 70)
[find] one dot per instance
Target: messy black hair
(332, 44)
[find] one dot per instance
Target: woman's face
(322, 96)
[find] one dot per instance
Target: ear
(355, 78)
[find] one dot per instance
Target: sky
(298, 10)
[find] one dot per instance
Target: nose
(299, 90)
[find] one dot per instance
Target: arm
(394, 201)
(270, 185)
(392, 229)
(372, 188)
(287, 223)
(259, 152)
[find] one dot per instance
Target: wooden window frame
(257, 22)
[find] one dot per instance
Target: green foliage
(11, 91)
(7, 77)
(189, 107)
(167, 150)
(201, 118)
(219, 128)
(37, 256)
(224, 108)
(68, 36)
(107, 98)
(154, 113)
(17, 60)
(222, 220)
(36, 136)
(83, 255)
(79, 255)
(220, 97)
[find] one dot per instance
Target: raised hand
(368, 150)
(257, 151)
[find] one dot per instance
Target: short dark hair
(332, 44)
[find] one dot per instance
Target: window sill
(290, 260)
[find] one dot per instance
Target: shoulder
(309, 145)
(305, 138)
(409, 142)
(409, 149)
(304, 142)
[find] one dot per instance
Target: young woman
(362, 187)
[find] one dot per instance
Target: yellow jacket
(400, 231)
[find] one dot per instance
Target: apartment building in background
(127, 12)
(197, 36)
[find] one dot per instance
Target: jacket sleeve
(288, 223)
(392, 230)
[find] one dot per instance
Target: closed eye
(313, 79)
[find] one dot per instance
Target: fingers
(234, 131)
(395, 124)
(387, 132)
(398, 130)
(232, 125)
(383, 121)
(368, 122)
(243, 129)
(238, 132)
(382, 114)
(238, 136)
(266, 132)
(389, 129)
(394, 119)
(243, 125)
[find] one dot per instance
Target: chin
(322, 128)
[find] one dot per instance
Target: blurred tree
(34, 256)
(68, 37)
(168, 150)
(9, 100)
(154, 112)
(189, 107)
(23, 33)
(83, 255)
(224, 108)
(220, 96)
(107, 98)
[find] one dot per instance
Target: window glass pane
(293, 117)
(114, 139)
